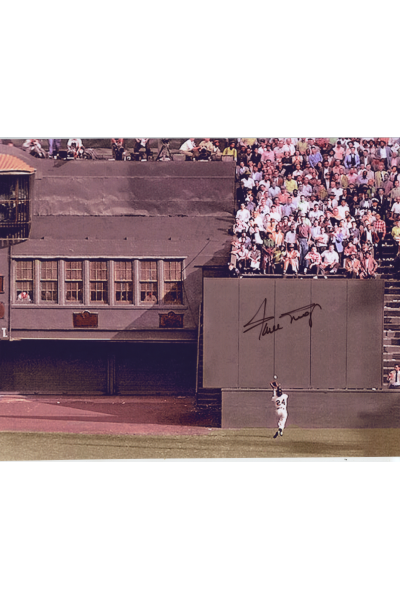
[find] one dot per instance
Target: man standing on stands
(352, 160)
(383, 152)
(304, 238)
(368, 266)
(380, 230)
(54, 146)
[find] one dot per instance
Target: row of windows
(98, 281)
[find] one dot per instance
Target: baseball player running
(281, 401)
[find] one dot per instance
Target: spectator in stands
(341, 191)
(330, 260)
(313, 262)
(384, 154)
(243, 214)
(304, 239)
(206, 148)
(315, 157)
(189, 149)
(216, 154)
(231, 151)
(291, 259)
(54, 147)
(75, 148)
(396, 234)
(379, 227)
(352, 160)
(394, 377)
(368, 266)
(352, 266)
(233, 270)
(142, 145)
(395, 193)
(117, 146)
(34, 147)
(255, 258)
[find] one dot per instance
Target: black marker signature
(309, 309)
(263, 322)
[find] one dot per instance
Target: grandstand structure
(114, 280)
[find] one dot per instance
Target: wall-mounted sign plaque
(171, 319)
(86, 319)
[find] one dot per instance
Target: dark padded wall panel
(343, 348)
(256, 351)
(328, 339)
(364, 333)
(292, 343)
(220, 341)
(312, 409)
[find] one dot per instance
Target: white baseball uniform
(281, 408)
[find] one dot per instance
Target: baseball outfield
(155, 427)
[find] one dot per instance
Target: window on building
(123, 281)
(98, 282)
(172, 282)
(74, 281)
(1, 284)
(148, 281)
(49, 280)
(156, 280)
(24, 281)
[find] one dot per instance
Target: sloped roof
(12, 164)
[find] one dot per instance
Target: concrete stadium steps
(389, 250)
(206, 398)
(391, 334)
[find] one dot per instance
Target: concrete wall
(312, 408)
(311, 333)
(115, 188)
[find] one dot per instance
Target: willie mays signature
(294, 315)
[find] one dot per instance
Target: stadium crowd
(318, 207)
(306, 206)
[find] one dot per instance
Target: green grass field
(217, 443)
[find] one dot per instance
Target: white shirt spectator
(396, 207)
(342, 210)
(248, 183)
(330, 257)
(291, 237)
(337, 191)
(259, 220)
(243, 215)
(275, 213)
(289, 148)
(188, 146)
(76, 141)
(302, 206)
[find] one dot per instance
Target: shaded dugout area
(86, 367)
